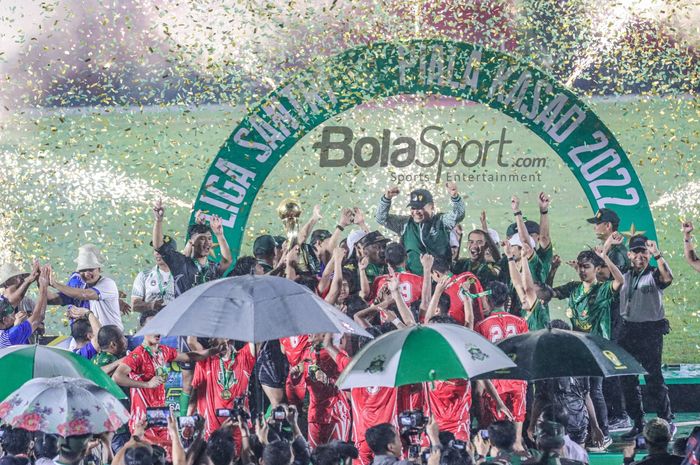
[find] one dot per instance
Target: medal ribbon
(227, 377)
(161, 288)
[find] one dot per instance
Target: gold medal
(226, 394)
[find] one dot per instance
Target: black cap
(264, 245)
(372, 238)
(420, 198)
(167, 240)
(531, 226)
(605, 215)
(638, 242)
(319, 235)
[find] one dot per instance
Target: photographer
(657, 436)
(334, 453)
(385, 443)
(278, 428)
(502, 436)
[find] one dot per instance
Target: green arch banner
(501, 81)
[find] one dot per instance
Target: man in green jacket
(423, 231)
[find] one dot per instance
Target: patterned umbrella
(20, 363)
(423, 353)
(63, 406)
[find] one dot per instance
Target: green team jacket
(431, 236)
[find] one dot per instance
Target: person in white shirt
(153, 289)
(98, 293)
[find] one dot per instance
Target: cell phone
(640, 442)
(157, 416)
(484, 434)
(278, 414)
(223, 412)
(186, 422)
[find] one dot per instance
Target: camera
(239, 409)
(223, 412)
(640, 442)
(279, 414)
(157, 416)
(413, 420)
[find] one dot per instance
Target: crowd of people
(277, 403)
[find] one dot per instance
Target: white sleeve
(139, 287)
(107, 289)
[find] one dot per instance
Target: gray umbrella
(250, 308)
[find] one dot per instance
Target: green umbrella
(554, 353)
(423, 353)
(21, 363)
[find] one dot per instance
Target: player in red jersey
(295, 348)
(144, 370)
(497, 326)
(221, 381)
(370, 405)
(329, 411)
(410, 285)
(459, 286)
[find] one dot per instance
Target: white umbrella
(423, 353)
(250, 308)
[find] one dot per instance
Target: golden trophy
(289, 212)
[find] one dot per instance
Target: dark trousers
(645, 341)
(601, 409)
(612, 388)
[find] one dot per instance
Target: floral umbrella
(63, 406)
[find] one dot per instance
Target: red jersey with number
(410, 286)
(327, 403)
(370, 405)
(457, 305)
(209, 381)
(450, 402)
(498, 326)
(144, 366)
(294, 348)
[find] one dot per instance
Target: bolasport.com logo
(453, 160)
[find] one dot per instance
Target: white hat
(353, 238)
(9, 271)
(515, 240)
(87, 259)
(92, 248)
(494, 236)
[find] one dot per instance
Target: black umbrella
(554, 353)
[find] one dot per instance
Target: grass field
(72, 177)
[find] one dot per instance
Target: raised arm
(344, 221)
(453, 218)
(383, 217)
(404, 311)
(305, 230)
(158, 214)
(440, 287)
(689, 250)
(359, 219)
(337, 281)
(467, 305)
(364, 281)
(522, 229)
(618, 278)
(74, 292)
(528, 284)
(217, 228)
(16, 296)
(427, 261)
(664, 270)
(80, 312)
(543, 201)
(39, 312)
